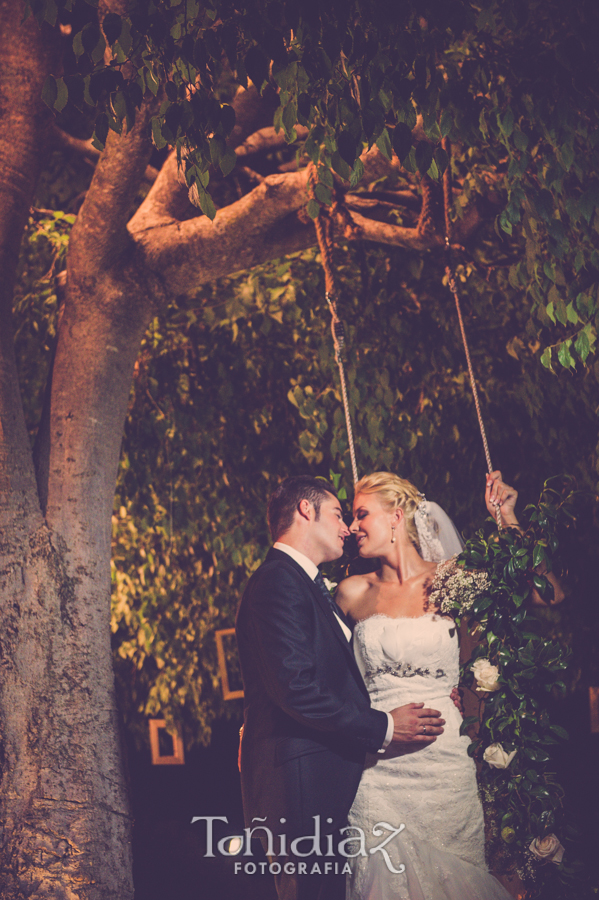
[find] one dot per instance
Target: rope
(324, 234)
(447, 197)
(338, 340)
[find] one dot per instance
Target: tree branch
(194, 252)
(100, 232)
(395, 235)
(168, 199)
(86, 149)
(267, 139)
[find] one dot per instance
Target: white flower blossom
(547, 848)
(330, 585)
(497, 757)
(486, 675)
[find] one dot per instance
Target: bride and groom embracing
(353, 771)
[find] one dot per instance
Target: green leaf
(384, 144)
(357, 173)
(538, 555)
(62, 95)
(546, 358)
(424, 156)
(218, 148)
(585, 342)
(441, 158)
(324, 194)
(564, 355)
(100, 132)
(78, 48)
(507, 122)
(51, 12)
(588, 202)
(50, 91)
(446, 123)
(340, 166)
(467, 722)
(206, 204)
(433, 171)
(289, 117)
(520, 139)
(313, 209)
(112, 25)
(402, 141)
(228, 161)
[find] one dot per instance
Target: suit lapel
(323, 605)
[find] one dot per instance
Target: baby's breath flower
(455, 589)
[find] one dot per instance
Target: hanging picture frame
(228, 664)
(166, 745)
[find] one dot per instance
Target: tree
(343, 86)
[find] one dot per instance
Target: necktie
(319, 581)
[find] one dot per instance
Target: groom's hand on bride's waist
(416, 724)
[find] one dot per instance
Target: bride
(405, 648)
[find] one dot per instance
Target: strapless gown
(439, 855)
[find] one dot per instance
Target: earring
(393, 534)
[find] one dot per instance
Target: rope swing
(451, 279)
(324, 233)
(323, 227)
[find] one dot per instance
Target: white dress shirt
(311, 569)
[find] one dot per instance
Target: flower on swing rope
(486, 675)
(547, 848)
(497, 757)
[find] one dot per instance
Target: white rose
(497, 757)
(547, 848)
(486, 675)
(331, 585)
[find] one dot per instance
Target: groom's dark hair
(285, 500)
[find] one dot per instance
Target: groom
(308, 722)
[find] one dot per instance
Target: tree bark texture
(65, 823)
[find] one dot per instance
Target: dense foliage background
(242, 389)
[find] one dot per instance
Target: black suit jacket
(308, 719)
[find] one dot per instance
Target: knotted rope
(324, 234)
(448, 201)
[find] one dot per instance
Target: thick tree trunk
(65, 826)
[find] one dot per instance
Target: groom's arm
(281, 621)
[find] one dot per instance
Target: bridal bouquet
(455, 588)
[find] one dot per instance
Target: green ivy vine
(523, 669)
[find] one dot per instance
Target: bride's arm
(499, 495)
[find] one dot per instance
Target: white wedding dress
(432, 791)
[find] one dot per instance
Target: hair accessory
(439, 538)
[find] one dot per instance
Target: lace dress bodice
(401, 657)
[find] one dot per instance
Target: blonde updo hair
(394, 493)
